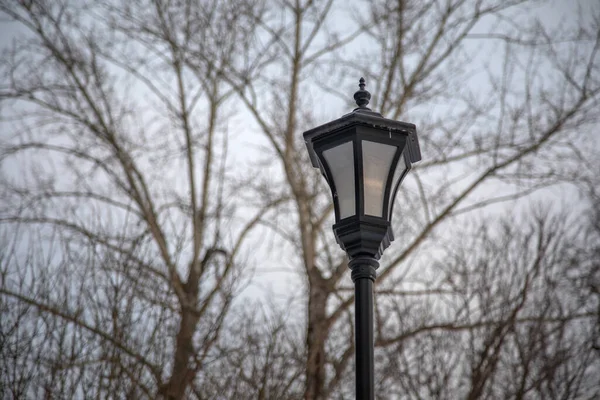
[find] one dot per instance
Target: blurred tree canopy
(151, 158)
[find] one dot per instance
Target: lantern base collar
(363, 236)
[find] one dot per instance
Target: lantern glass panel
(377, 162)
(340, 160)
(401, 169)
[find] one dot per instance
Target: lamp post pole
(363, 275)
(364, 157)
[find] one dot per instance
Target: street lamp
(364, 158)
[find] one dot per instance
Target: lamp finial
(362, 96)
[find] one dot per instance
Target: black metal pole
(363, 276)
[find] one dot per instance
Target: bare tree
(511, 319)
(498, 138)
(121, 269)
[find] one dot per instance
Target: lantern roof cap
(363, 116)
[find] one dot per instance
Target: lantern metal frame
(361, 233)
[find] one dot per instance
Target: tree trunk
(182, 374)
(315, 343)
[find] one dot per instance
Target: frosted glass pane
(400, 170)
(377, 161)
(340, 161)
